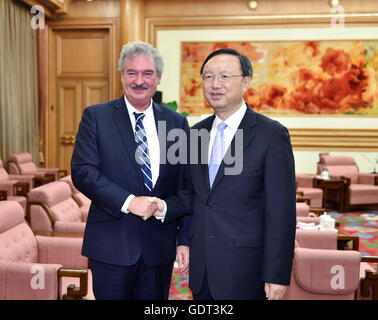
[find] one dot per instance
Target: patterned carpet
(179, 286)
(363, 224)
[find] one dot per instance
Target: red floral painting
(293, 77)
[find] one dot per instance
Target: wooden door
(81, 69)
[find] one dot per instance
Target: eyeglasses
(221, 77)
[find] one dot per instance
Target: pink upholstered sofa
(361, 188)
(36, 267)
(51, 208)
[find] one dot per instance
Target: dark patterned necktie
(143, 157)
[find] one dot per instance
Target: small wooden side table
(333, 184)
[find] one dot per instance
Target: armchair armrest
(301, 198)
(62, 250)
(40, 179)
(3, 195)
(317, 239)
(7, 185)
(318, 211)
(368, 178)
(62, 173)
(22, 177)
(310, 264)
(21, 189)
(343, 239)
(28, 281)
(371, 279)
(305, 180)
(73, 292)
(28, 178)
(347, 181)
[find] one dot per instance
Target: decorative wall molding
(52, 8)
(153, 25)
(335, 139)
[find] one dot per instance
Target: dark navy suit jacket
(105, 170)
(243, 228)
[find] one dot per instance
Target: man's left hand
(274, 291)
(183, 258)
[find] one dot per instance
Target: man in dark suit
(116, 163)
(243, 200)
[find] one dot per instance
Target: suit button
(210, 205)
(211, 236)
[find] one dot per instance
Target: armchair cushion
(363, 194)
(62, 250)
(17, 242)
(75, 227)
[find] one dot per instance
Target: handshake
(146, 207)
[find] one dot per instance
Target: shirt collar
(131, 109)
(234, 120)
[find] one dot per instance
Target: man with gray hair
(116, 163)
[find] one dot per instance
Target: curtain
(18, 81)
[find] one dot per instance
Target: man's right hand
(142, 207)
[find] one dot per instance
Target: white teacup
(324, 175)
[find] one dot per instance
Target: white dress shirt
(232, 122)
(152, 140)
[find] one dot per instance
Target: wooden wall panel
(68, 116)
(82, 53)
(95, 92)
(69, 107)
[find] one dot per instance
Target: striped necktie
(217, 153)
(143, 156)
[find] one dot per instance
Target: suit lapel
(159, 115)
(203, 144)
(247, 127)
(123, 123)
